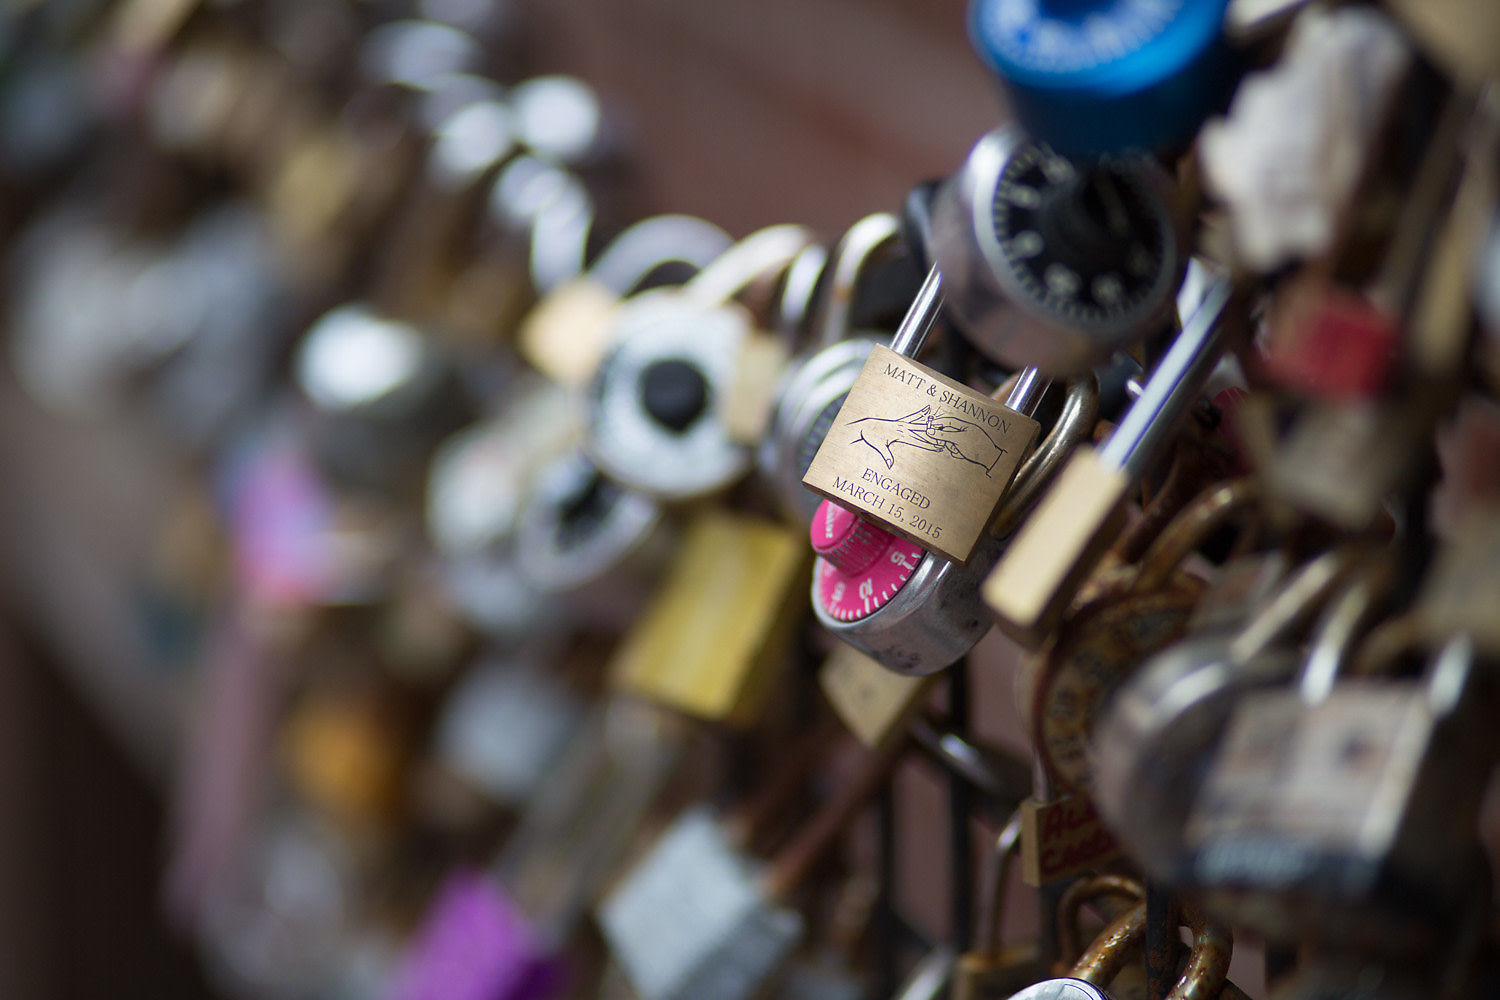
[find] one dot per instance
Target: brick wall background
(752, 113)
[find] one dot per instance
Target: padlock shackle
(1308, 587)
(1338, 628)
(643, 247)
(1080, 412)
(1208, 962)
(1069, 906)
(1027, 387)
(861, 244)
(994, 880)
(762, 254)
(1191, 526)
(794, 306)
(1174, 384)
(1106, 955)
(560, 237)
(1450, 659)
(917, 323)
(983, 767)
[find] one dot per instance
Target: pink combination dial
(860, 566)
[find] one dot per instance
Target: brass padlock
(917, 452)
(913, 611)
(991, 969)
(711, 642)
(1061, 836)
(1462, 37)
(1203, 977)
(346, 749)
(1067, 535)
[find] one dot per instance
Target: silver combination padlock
(1053, 263)
(476, 487)
(654, 420)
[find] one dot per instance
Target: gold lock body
(922, 455)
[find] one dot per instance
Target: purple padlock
(475, 944)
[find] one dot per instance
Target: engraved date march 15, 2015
(906, 505)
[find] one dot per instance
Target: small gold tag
(1062, 838)
(921, 454)
(871, 700)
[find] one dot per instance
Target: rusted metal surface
(1106, 956)
(1085, 890)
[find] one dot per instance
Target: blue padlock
(1095, 77)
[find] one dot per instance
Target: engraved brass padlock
(914, 611)
(921, 454)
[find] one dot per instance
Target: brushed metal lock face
(925, 456)
(1053, 263)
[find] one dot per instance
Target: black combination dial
(1089, 245)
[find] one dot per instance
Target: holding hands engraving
(966, 440)
(961, 439)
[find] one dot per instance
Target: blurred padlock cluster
(549, 586)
